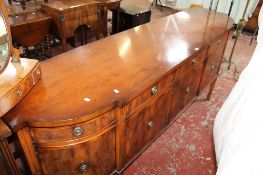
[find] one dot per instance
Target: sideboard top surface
(67, 4)
(80, 84)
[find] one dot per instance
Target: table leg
(115, 21)
(64, 44)
(105, 21)
(211, 88)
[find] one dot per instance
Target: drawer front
(185, 88)
(96, 156)
(72, 132)
(188, 84)
(218, 44)
(152, 92)
(193, 62)
(144, 125)
(212, 67)
(8, 101)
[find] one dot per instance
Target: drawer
(212, 67)
(72, 132)
(193, 62)
(219, 43)
(152, 92)
(94, 156)
(145, 125)
(8, 101)
(188, 84)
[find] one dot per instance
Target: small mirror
(4, 43)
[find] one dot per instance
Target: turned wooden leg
(29, 151)
(211, 88)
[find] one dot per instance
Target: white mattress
(238, 128)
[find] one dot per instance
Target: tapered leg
(211, 88)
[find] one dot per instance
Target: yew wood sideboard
(98, 107)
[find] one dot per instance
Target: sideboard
(98, 107)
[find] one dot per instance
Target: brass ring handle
(219, 42)
(19, 93)
(83, 167)
(194, 61)
(78, 131)
(187, 90)
(150, 124)
(154, 90)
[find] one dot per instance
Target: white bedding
(238, 128)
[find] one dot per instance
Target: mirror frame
(10, 45)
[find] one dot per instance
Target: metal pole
(211, 4)
(240, 26)
(231, 6)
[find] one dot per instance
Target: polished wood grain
(29, 150)
(4, 131)
(213, 62)
(7, 161)
(122, 98)
(29, 29)
(252, 24)
(126, 57)
(58, 134)
(68, 15)
(97, 153)
(145, 125)
(17, 80)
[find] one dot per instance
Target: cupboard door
(145, 125)
(95, 156)
(185, 89)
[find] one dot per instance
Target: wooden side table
(31, 30)
(69, 15)
(114, 6)
(7, 161)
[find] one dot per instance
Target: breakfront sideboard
(98, 107)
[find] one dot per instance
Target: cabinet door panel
(185, 89)
(212, 67)
(96, 156)
(144, 125)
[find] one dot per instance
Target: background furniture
(7, 161)
(69, 15)
(252, 24)
(114, 6)
(103, 109)
(16, 80)
(132, 16)
(32, 30)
